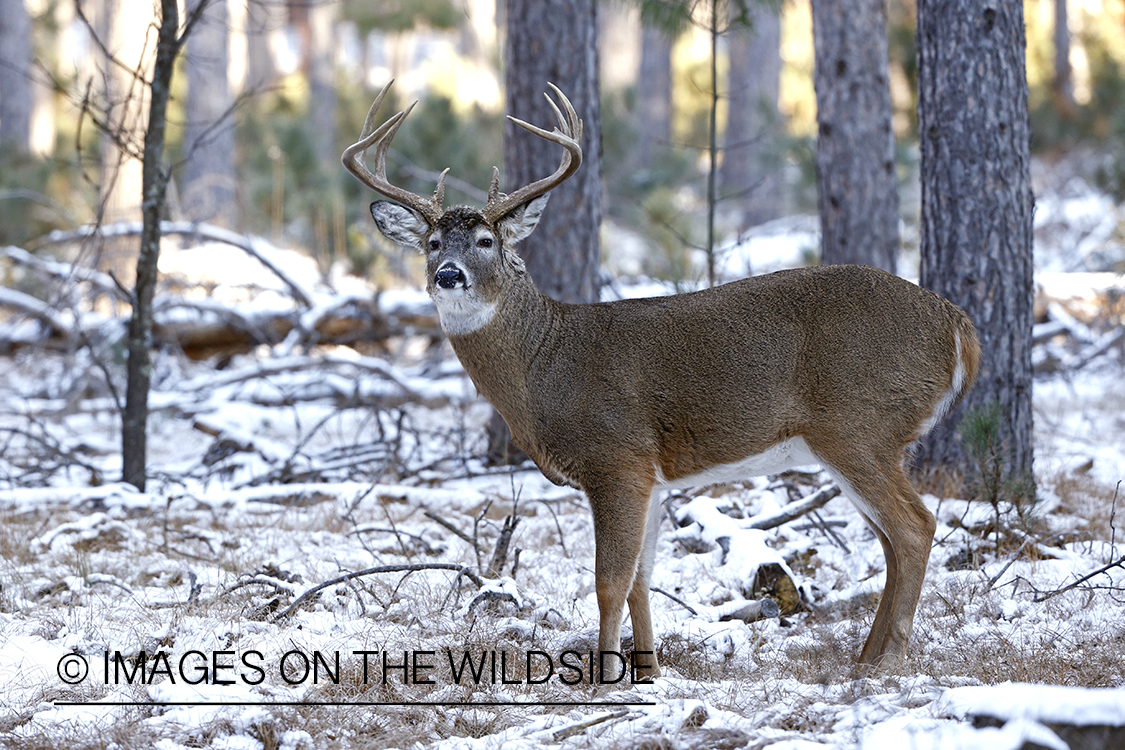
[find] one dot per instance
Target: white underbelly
(779, 457)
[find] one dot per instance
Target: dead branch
(814, 501)
(500, 553)
(582, 725)
(446, 524)
(747, 611)
(252, 246)
(67, 272)
(677, 600)
(1044, 596)
(37, 309)
(461, 571)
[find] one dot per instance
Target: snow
(281, 472)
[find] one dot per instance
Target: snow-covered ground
(164, 619)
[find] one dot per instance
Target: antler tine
(381, 137)
(568, 134)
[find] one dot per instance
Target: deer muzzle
(449, 276)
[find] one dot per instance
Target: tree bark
(562, 254)
(977, 204)
(15, 76)
(750, 174)
(208, 175)
(855, 149)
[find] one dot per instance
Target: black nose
(448, 277)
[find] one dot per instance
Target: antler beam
(568, 135)
(381, 137)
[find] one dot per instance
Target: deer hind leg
(905, 529)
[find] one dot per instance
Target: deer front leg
(620, 521)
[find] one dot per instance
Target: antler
(569, 137)
(355, 154)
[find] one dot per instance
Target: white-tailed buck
(843, 366)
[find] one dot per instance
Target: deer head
(470, 255)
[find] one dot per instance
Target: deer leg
(909, 527)
(619, 531)
(639, 611)
(905, 529)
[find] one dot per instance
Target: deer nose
(449, 276)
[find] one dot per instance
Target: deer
(842, 366)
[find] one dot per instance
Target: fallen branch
(1044, 596)
(814, 501)
(38, 309)
(461, 571)
(558, 735)
(252, 246)
(68, 272)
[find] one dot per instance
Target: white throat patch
(460, 313)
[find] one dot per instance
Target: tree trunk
(562, 254)
(751, 175)
(15, 76)
(208, 175)
(855, 149)
(1063, 87)
(654, 96)
(155, 181)
(977, 204)
(263, 21)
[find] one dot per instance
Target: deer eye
(484, 242)
(435, 244)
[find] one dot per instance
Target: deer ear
(520, 222)
(400, 224)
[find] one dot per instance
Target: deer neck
(501, 355)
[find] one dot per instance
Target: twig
(1119, 563)
(500, 552)
(461, 570)
(442, 522)
(577, 727)
(681, 602)
(992, 581)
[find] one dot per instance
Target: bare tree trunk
(855, 151)
(1063, 85)
(562, 254)
(263, 20)
(135, 419)
(15, 76)
(977, 204)
(322, 122)
(654, 96)
(208, 192)
(751, 175)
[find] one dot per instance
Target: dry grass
(1096, 502)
